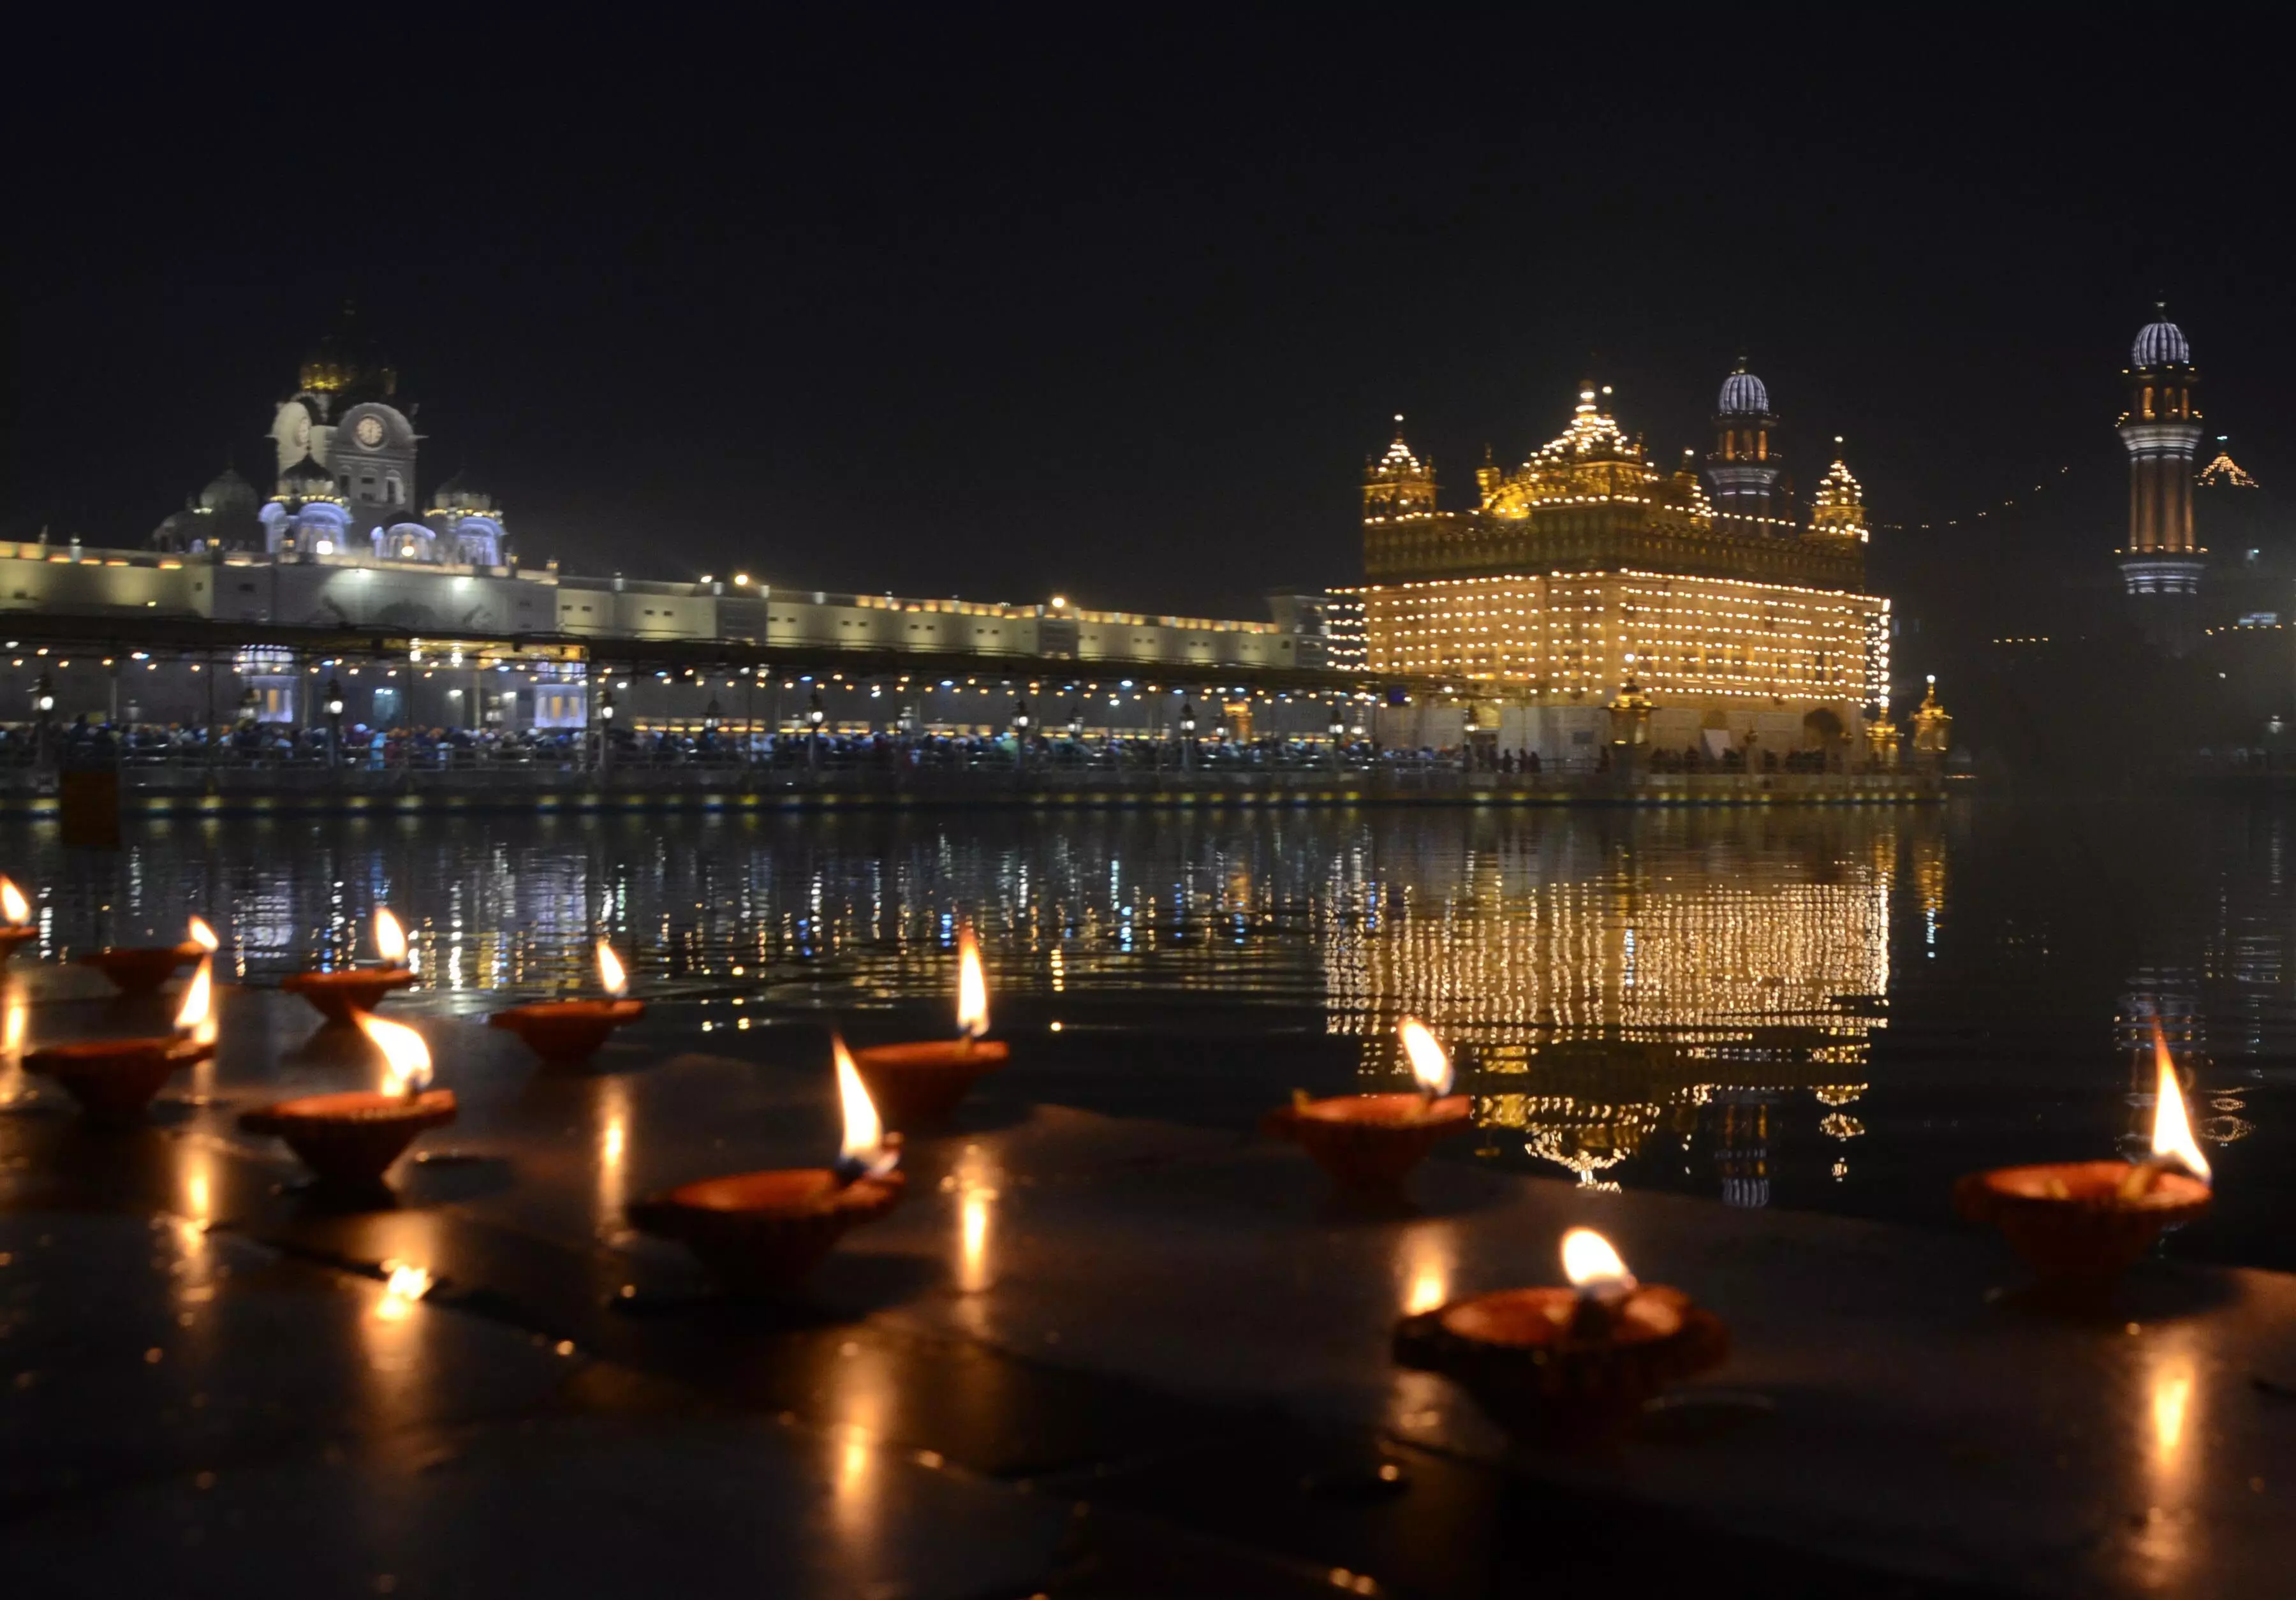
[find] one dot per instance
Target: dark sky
(1114, 302)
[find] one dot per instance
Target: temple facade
(344, 480)
(1590, 577)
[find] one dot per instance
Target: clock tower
(371, 452)
(343, 418)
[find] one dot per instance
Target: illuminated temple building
(345, 477)
(1590, 571)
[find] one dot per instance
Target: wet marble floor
(1089, 1354)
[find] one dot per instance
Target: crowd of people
(84, 742)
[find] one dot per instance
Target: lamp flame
(203, 935)
(971, 987)
(611, 975)
(1429, 1064)
(406, 1059)
(390, 937)
(1589, 1261)
(401, 1290)
(863, 1152)
(2172, 1130)
(14, 906)
(192, 1017)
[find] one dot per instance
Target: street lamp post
(334, 721)
(1187, 738)
(605, 730)
(1339, 735)
(1020, 735)
(815, 716)
(44, 703)
(711, 716)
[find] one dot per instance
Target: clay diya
(1370, 1143)
(115, 1080)
(349, 1141)
(138, 970)
(566, 1033)
(344, 994)
(921, 1082)
(2082, 1223)
(758, 1233)
(1571, 1366)
(17, 928)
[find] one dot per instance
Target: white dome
(2162, 344)
(1744, 395)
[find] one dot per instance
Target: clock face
(370, 431)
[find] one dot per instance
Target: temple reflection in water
(1702, 981)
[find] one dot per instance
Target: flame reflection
(613, 1149)
(974, 1180)
(1423, 1259)
(15, 1020)
(2170, 1423)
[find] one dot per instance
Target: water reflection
(1423, 1264)
(614, 1099)
(15, 1018)
(1737, 1002)
(1607, 993)
(2169, 1453)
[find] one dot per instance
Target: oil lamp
(347, 993)
(141, 969)
(566, 1033)
(1572, 1364)
(757, 1232)
(349, 1141)
(2080, 1223)
(1370, 1143)
(921, 1082)
(15, 919)
(114, 1079)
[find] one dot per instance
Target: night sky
(1115, 304)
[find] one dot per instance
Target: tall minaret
(2161, 430)
(1744, 466)
(1399, 484)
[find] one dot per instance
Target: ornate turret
(1837, 510)
(1932, 726)
(346, 363)
(2161, 564)
(1744, 466)
(1399, 484)
(467, 524)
